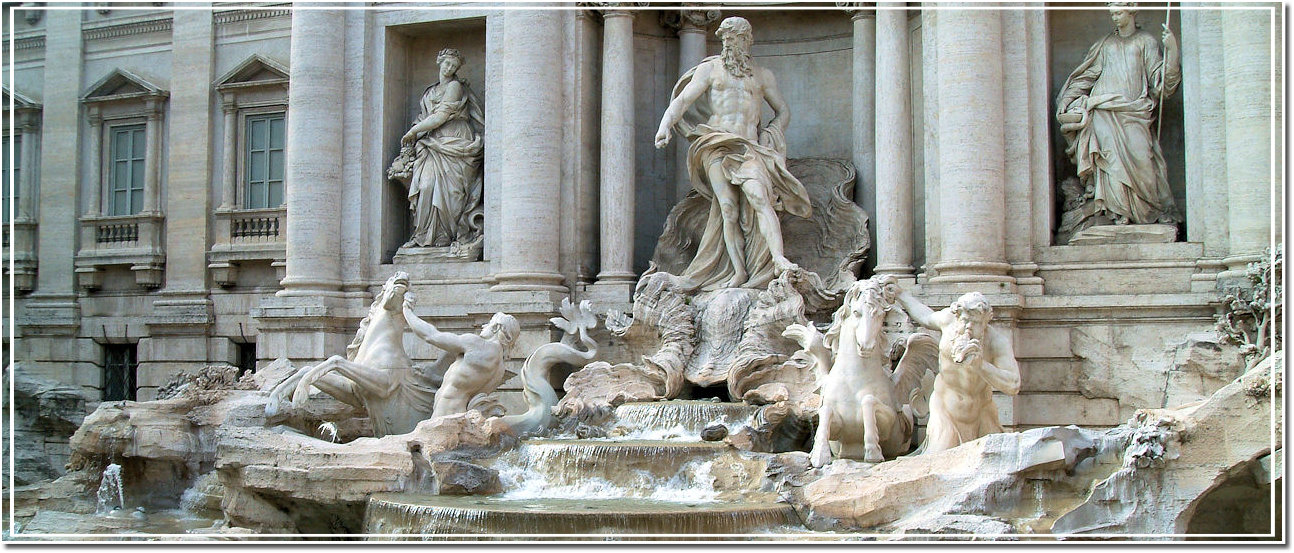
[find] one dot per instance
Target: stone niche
(410, 67)
(809, 52)
(1072, 33)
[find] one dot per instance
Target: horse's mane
(875, 285)
(373, 308)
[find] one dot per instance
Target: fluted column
(153, 145)
(971, 147)
(229, 163)
(1246, 44)
(864, 78)
(893, 142)
(313, 164)
(617, 174)
(691, 26)
(530, 110)
(95, 190)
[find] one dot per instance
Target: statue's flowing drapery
(742, 161)
(445, 187)
(1116, 90)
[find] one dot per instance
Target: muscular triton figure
(736, 164)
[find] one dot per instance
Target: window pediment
(121, 84)
(21, 102)
(254, 72)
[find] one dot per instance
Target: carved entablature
(247, 231)
(122, 224)
(20, 243)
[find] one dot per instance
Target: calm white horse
(867, 411)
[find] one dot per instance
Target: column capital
(227, 103)
(613, 9)
(859, 10)
(689, 19)
(95, 118)
(154, 107)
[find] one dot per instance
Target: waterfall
(110, 490)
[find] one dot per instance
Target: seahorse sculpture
(540, 396)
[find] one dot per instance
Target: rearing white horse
(375, 375)
(866, 410)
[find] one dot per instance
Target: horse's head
(394, 293)
(866, 304)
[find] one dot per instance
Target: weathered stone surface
(463, 478)
(1177, 456)
(982, 477)
(714, 433)
(46, 411)
(1165, 373)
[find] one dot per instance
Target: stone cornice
(245, 14)
(102, 30)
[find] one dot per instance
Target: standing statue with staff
(1106, 110)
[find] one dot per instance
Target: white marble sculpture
(375, 375)
(737, 165)
(575, 322)
(868, 412)
(1107, 111)
(472, 363)
(440, 161)
(974, 360)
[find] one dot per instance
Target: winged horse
(868, 412)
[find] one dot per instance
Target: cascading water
(110, 491)
(654, 476)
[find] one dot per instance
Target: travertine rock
(463, 478)
(45, 411)
(1177, 456)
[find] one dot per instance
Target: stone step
(677, 419)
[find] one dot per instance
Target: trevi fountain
(632, 271)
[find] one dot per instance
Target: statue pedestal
(1125, 234)
(413, 255)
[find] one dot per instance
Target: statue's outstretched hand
(409, 137)
(662, 137)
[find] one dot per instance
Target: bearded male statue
(737, 165)
(974, 360)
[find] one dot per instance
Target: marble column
(530, 108)
(60, 160)
(864, 78)
(617, 159)
(229, 162)
(1246, 58)
(26, 185)
(971, 147)
(153, 146)
(691, 26)
(313, 153)
(893, 142)
(95, 190)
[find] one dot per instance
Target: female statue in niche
(440, 161)
(1106, 110)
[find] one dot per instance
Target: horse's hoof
(872, 454)
(820, 459)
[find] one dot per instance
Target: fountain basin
(678, 419)
(405, 514)
(596, 469)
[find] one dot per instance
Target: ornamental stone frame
(135, 239)
(21, 244)
(258, 85)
